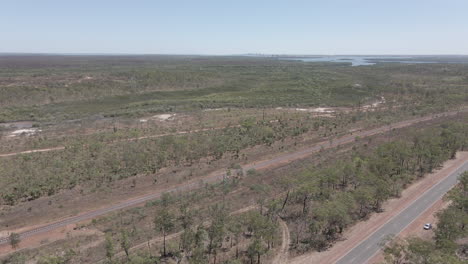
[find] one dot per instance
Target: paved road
(221, 175)
(364, 251)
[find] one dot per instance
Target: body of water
(356, 60)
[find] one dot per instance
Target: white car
(427, 226)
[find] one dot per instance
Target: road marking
(399, 212)
(425, 210)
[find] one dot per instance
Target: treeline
(46, 86)
(449, 245)
(324, 201)
(96, 164)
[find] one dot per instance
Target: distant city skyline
(333, 27)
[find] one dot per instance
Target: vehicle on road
(427, 226)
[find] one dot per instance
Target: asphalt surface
(218, 177)
(364, 251)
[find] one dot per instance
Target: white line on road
(396, 215)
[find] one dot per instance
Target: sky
(219, 27)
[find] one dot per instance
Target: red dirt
(288, 157)
(45, 238)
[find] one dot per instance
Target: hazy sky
(235, 26)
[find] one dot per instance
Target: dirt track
(111, 142)
(217, 176)
(283, 254)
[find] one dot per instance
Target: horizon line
(214, 55)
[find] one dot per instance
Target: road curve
(283, 254)
(365, 250)
(220, 175)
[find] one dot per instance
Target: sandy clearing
(330, 110)
(164, 117)
(24, 131)
(375, 104)
(120, 140)
(161, 117)
(316, 110)
(213, 109)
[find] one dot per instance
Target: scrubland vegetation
(317, 204)
(96, 163)
(238, 220)
(69, 88)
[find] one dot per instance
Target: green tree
(459, 195)
(187, 241)
(198, 256)
(186, 216)
(364, 198)
(164, 223)
(109, 245)
(15, 258)
(235, 229)
(216, 229)
(66, 258)
(15, 240)
(394, 252)
(125, 242)
(255, 250)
